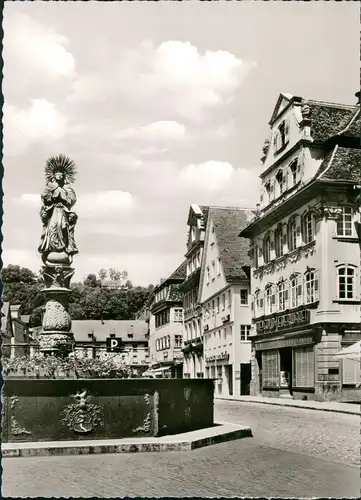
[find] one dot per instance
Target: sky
(160, 105)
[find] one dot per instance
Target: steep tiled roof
(228, 222)
(341, 164)
(121, 328)
(180, 273)
(329, 119)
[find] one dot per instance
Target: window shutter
(350, 371)
(304, 365)
(317, 294)
(273, 295)
(287, 131)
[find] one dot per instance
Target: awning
(351, 352)
(156, 370)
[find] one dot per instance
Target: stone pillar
(57, 247)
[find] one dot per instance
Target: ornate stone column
(57, 248)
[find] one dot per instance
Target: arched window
(296, 290)
(344, 222)
(292, 235)
(282, 293)
(279, 241)
(267, 249)
(308, 227)
(281, 179)
(346, 282)
(270, 299)
(311, 286)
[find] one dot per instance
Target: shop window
(303, 367)
(308, 228)
(351, 372)
(344, 222)
(245, 332)
(346, 282)
(270, 369)
(311, 287)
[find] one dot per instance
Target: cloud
(41, 121)
(157, 131)
(91, 204)
(103, 203)
(211, 175)
(173, 79)
(36, 47)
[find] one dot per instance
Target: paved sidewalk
(333, 406)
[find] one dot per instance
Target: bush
(53, 367)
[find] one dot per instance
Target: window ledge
(346, 301)
(346, 239)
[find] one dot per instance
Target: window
(308, 228)
(344, 222)
(162, 343)
(255, 256)
(193, 233)
(270, 368)
(259, 303)
(244, 297)
(311, 287)
(168, 342)
(270, 299)
(281, 137)
(346, 282)
(296, 291)
(213, 308)
(295, 171)
(245, 331)
(229, 299)
(304, 367)
(217, 309)
(213, 273)
(292, 235)
(208, 274)
(157, 345)
(267, 249)
(223, 301)
(279, 241)
(178, 315)
(282, 181)
(218, 266)
(282, 293)
(178, 340)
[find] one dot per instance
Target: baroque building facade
(224, 293)
(193, 364)
(305, 245)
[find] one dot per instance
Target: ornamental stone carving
(57, 248)
(332, 213)
(305, 110)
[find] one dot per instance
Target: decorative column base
(56, 344)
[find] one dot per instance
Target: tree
(112, 272)
(91, 280)
(17, 274)
(102, 273)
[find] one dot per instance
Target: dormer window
(281, 137)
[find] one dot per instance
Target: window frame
(278, 235)
(346, 284)
(292, 237)
(267, 249)
(245, 331)
(245, 297)
(308, 227)
(342, 222)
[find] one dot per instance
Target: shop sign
(279, 344)
(283, 321)
(218, 357)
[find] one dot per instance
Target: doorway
(259, 369)
(286, 371)
(229, 374)
(245, 373)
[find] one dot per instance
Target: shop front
(219, 368)
(284, 356)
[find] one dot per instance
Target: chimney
(358, 97)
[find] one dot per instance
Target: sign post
(114, 344)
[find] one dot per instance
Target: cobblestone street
(298, 453)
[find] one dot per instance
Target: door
(286, 371)
(230, 379)
(245, 373)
